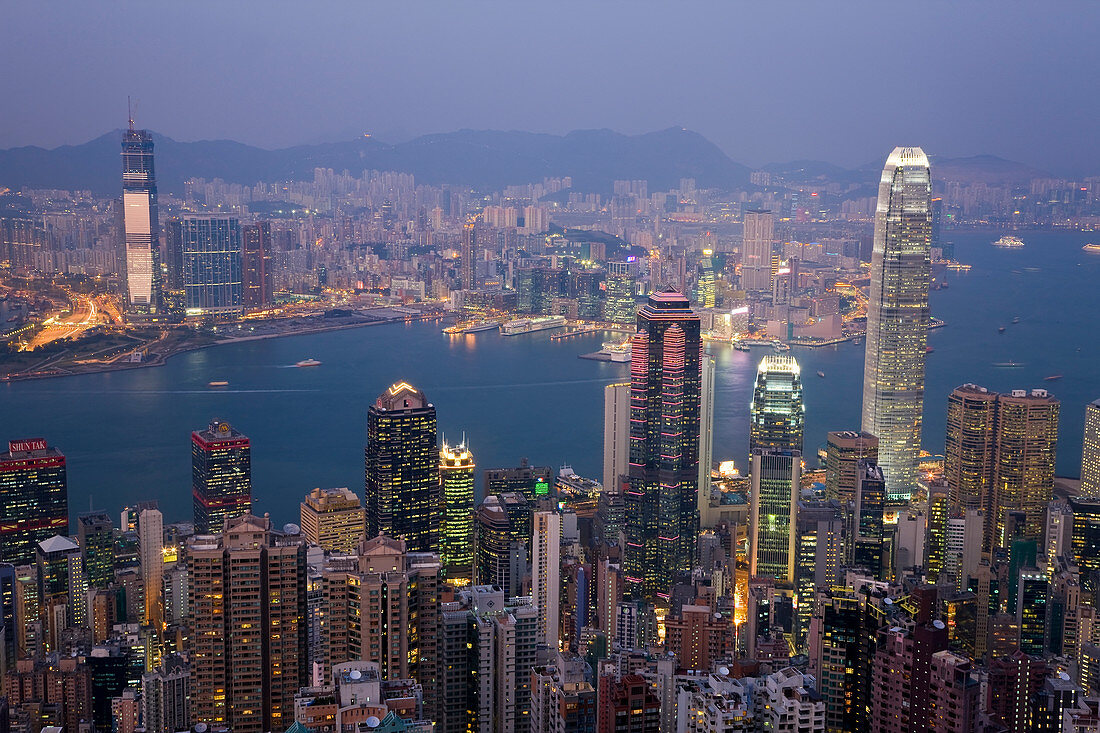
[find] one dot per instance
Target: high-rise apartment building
(248, 628)
(1090, 452)
(970, 450)
(706, 434)
(151, 544)
(842, 646)
(843, 451)
(661, 501)
(757, 248)
(34, 498)
(546, 575)
(402, 469)
(626, 704)
(821, 541)
(1027, 438)
(778, 414)
(616, 434)
(456, 531)
(211, 265)
(221, 475)
(776, 483)
(332, 519)
(898, 317)
(62, 588)
(953, 704)
(139, 214)
(256, 269)
(467, 268)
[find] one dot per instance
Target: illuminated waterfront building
(256, 269)
(139, 204)
(898, 317)
(332, 519)
(843, 451)
(467, 268)
(402, 469)
(34, 498)
(1090, 452)
(661, 501)
(757, 247)
(620, 306)
(776, 482)
(456, 533)
(221, 475)
(778, 414)
(211, 265)
(529, 481)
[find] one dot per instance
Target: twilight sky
(766, 81)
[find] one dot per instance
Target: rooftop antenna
(130, 112)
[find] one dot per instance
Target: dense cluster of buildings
(879, 592)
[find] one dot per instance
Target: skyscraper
(332, 519)
(867, 536)
(221, 475)
(970, 451)
(546, 575)
(661, 502)
(1090, 452)
(34, 498)
(402, 469)
(501, 534)
(456, 532)
(151, 542)
(211, 265)
(1027, 439)
(706, 433)
(139, 206)
(256, 271)
(756, 251)
(621, 306)
(467, 270)
(843, 451)
(897, 317)
(616, 434)
(530, 481)
(778, 413)
(776, 481)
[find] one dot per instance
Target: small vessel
(780, 346)
(1052, 378)
(1093, 249)
(741, 347)
(1015, 320)
(928, 349)
(1000, 329)
(308, 363)
(218, 384)
(821, 374)
(1009, 242)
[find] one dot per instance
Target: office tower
(139, 213)
(776, 483)
(706, 433)
(1027, 437)
(842, 646)
(843, 451)
(616, 434)
(221, 475)
(756, 251)
(777, 415)
(820, 554)
(34, 498)
(661, 502)
(897, 317)
(705, 291)
(256, 271)
(332, 519)
(529, 481)
(500, 543)
(248, 631)
(10, 632)
(402, 469)
(868, 540)
(1012, 690)
(151, 541)
(1057, 698)
(626, 705)
(970, 453)
(1031, 610)
(1085, 535)
(211, 265)
(456, 532)
(546, 576)
(62, 589)
(467, 269)
(1090, 452)
(621, 306)
(939, 510)
(173, 247)
(96, 537)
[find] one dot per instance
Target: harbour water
(126, 434)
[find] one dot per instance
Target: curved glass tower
(897, 317)
(778, 413)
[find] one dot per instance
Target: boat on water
(821, 374)
(1015, 320)
(616, 352)
(1007, 364)
(308, 363)
(780, 346)
(1091, 248)
(1052, 378)
(741, 347)
(1000, 329)
(928, 349)
(530, 325)
(218, 384)
(472, 327)
(1009, 242)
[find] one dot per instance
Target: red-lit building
(34, 499)
(221, 476)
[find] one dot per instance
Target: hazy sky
(766, 81)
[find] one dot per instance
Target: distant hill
(485, 159)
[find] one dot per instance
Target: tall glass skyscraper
(661, 504)
(776, 481)
(139, 213)
(778, 413)
(402, 469)
(456, 535)
(212, 277)
(897, 317)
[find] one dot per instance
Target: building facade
(778, 414)
(140, 219)
(456, 532)
(221, 475)
(34, 498)
(212, 266)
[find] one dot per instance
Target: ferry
(1000, 329)
(308, 363)
(218, 384)
(530, 325)
(928, 349)
(1009, 242)
(472, 327)
(821, 374)
(1052, 378)
(781, 347)
(1092, 249)
(740, 346)
(617, 352)
(1015, 320)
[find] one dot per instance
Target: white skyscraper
(151, 545)
(897, 317)
(1090, 452)
(706, 432)
(616, 433)
(139, 212)
(546, 575)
